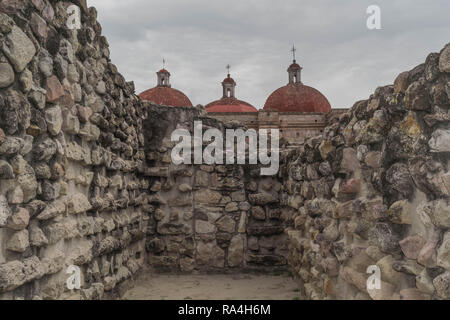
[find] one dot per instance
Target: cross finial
(293, 51)
(164, 63)
(228, 68)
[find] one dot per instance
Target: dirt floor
(213, 287)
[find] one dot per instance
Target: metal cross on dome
(228, 68)
(164, 63)
(293, 51)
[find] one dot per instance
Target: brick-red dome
(296, 97)
(166, 96)
(230, 105)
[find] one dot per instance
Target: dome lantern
(164, 94)
(229, 103)
(294, 69)
(228, 85)
(163, 78)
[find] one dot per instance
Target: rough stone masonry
(86, 179)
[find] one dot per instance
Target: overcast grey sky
(339, 55)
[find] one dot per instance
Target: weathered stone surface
(413, 294)
(444, 59)
(435, 212)
(210, 254)
(15, 273)
(19, 219)
(52, 210)
(45, 149)
(5, 211)
(351, 186)
(6, 75)
(54, 89)
(440, 141)
(184, 187)
(427, 255)
(258, 213)
(442, 285)
(89, 131)
(39, 26)
(401, 82)
(207, 196)
(6, 171)
(231, 207)
(78, 203)
(408, 267)
(424, 282)
(19, 241)
(443, 254)
(236, 251)
(416, 97)
(400, 212)
(353, 277)
(10, 146)
(226, 224)
(386, 237)
(261, 198)
(82, 253)
(28, 183)
(325, 149)
(37, 236)
(350, 161)
(18, 48)
(385, 293)
(412, 245)
(373, 159)
(53, 117)
(15, 114)
(204, 227)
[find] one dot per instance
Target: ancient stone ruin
(86, 180)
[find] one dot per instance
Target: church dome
(164, 94)
(229, 103)
(296, 97)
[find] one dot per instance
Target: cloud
(340, 56)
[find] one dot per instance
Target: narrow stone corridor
(213, 287)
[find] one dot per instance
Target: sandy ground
(213, 287)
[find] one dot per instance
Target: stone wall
(217, 218)
(71, 145)
(374, 190)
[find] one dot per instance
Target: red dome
(229, 80)
(297, 98)
(166, 96)
(230, 105)
(294, 66)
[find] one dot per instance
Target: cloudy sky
(340, 56)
